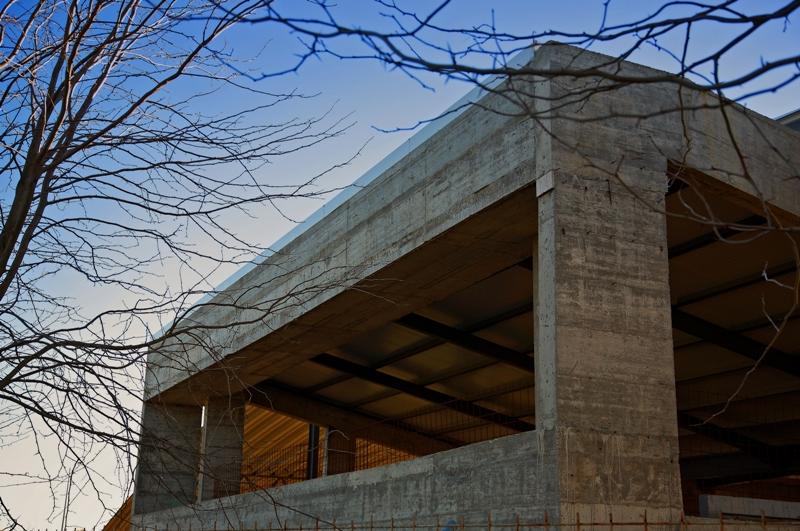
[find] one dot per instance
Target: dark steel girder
(467, 341)
(735, 342)
(714, 236)
(725, 469)
(761, 451)
(431, 343)
(739, 283)
(424, 393)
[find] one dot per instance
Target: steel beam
(713, 236)
(430, 395)
(736, 284)
(312, 461)
(428, 344)
(294, 403)
(467, 341)
(735, 342)
(724, 469)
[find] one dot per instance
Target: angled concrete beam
(295, 404)
(467, 341)
(436, 397)
(733, 341)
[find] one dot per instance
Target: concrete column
(340, 452)
(222, 443)
(169, 454)
(605, 385)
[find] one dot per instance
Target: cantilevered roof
(417, 139)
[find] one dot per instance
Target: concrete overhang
(440, 213)
(458, 204)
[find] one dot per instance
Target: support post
(606, 415)
(312, 462)
(605, 385)
(222, 441)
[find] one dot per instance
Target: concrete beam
(294, 404)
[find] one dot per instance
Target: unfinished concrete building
(511, 318)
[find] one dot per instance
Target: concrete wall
(501, 476)
(169, 457)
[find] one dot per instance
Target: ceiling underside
(461, 369)
(733, 293)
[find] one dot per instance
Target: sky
(376, 99)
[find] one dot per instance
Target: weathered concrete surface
(222, 445)
(501, 476)
(298, 295)
(460, 208)
(605, 384)
(634, 130)
(605, 380)
(169, 455)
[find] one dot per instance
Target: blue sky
(373, 98)
(380, 99)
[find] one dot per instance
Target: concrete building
(512, 318)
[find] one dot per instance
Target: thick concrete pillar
(222, 443)
(605, 385)
(169, 454)
(340, 452)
